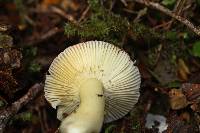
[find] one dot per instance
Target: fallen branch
(7, 113)
(170, 13)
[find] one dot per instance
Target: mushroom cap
(93, 59)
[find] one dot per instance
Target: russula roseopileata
(92, 82)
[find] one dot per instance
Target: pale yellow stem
(89, 116)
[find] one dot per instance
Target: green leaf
(168, 2)
(34, 67)
(196, 49)
(174, 84)
(186, 36)
(2, 103)
(30, 52)
(171, 35)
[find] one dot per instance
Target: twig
(63, 14)
(84, 14)
(177, 10)
(140, 14)
(124, 2)
(179, 6)
(162, 25)
(50, 33)
(29, 20)
(45, 36)
(112, 5)
(168, 12)
(7, 113)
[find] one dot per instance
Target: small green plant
(196, 49)
(136, 126)
(168, 2)
(34, 67)
(30, 52)
(171, 35)
(110, 128)
(2, 104)
(25, 116)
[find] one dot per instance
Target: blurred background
(167, 53)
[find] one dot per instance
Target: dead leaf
(183, 70)
(185, 116)
(64, 4)
(177, 99)
(165, 71)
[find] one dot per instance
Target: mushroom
(93, 83)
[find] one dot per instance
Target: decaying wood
(7, 113)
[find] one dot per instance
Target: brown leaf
(50, 2)
(177, 99)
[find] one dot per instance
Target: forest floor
(161, 35)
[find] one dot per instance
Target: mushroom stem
(89, 116)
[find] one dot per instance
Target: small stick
(177, 10)
(84, 14)
(124, 2)
(168, 12)
(7, 113)
(63, 14)
(46, 36)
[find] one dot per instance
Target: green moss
(107, 26)
(102, 25)
(144, 32)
